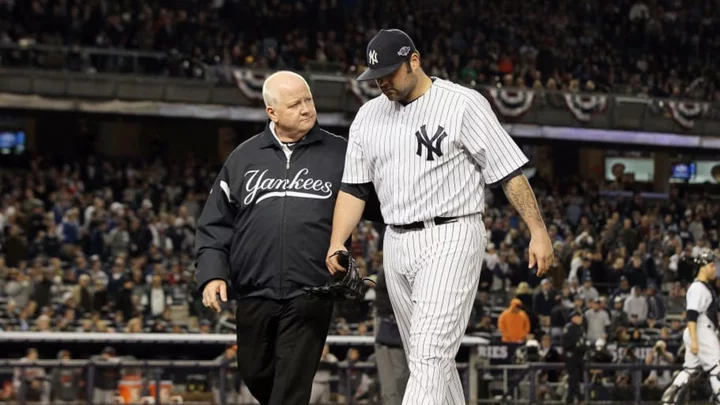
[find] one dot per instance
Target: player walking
(429, 146)
(702, 347)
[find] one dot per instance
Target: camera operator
(600, 355)
(661, 357)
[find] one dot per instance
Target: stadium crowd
(99, 247)
(94, 246)
(658, 48)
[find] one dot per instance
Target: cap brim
(372, 74)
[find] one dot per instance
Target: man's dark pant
(575, 370)
(279, 346)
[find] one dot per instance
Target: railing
(510, 388)
(87, 59)
(170, 338)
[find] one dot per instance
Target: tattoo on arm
(522, 197)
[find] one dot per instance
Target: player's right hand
(210, 294)
(331, 260)
(694, 349)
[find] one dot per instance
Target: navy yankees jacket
(265, 227)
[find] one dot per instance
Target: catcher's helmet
(706, 256)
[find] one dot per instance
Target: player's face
(397, 85)
(711, 270)
(294, 108)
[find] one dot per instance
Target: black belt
(421, 224)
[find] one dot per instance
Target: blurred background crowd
(659, 48)
(96, 246)
(103, 245)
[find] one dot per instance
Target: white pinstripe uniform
(432, 158)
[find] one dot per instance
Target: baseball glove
(347, 285)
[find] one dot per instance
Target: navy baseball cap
(386, 52)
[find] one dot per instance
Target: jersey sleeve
(698, 298)
(487, 141)
(357, 168)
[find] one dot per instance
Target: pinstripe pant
(432, 277)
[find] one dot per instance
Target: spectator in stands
(524, 294)
(616, 275)
(597, 321)
(636, 307)
(100, 298)
(618, 316)
(544, 299)
(82, 295)
(124, 300)
(156, 298)
(18, 288)
(676, 299)
(514, 323)
(656, 306)
(587, 292)
(558, 317)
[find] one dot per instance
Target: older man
(264, 229)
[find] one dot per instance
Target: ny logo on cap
(372, 57)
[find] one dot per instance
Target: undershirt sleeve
(359, 190)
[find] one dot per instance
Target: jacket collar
(269, 140)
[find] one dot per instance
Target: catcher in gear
(347, 285)
(702, 346)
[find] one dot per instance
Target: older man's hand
(210, 294)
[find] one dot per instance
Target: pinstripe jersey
(432, 157)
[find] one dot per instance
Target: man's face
(709, 270)
(546, 343)
(397, 85)
(293, 109)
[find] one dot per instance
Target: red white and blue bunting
(583, 106)
(685, 113)
(512, 103)
(250, 83)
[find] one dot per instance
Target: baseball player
(701, 335)
(428, 147)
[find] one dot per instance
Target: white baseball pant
(432, 277)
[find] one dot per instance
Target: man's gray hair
(268, 91)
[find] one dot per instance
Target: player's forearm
(348, 211)
(692, 329)
(522, 197)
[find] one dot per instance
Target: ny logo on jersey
(433, 145)
(372, 57)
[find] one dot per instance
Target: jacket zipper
(284, 221)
